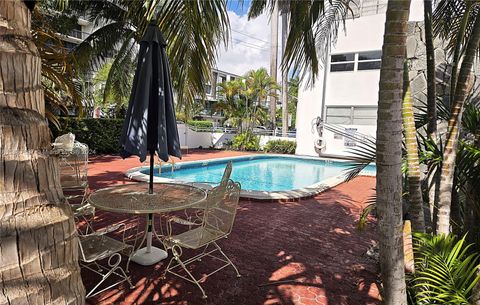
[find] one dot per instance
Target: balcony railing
(78, 34)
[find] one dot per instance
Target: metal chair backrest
(226, 174)
(73, 167)
(220, 210)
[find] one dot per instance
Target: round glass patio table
(134, 198)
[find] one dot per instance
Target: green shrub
(200, 124)
(281, 146)
(445, 270)
(101, 135)
(246, 141)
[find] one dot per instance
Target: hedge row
(281, 146)
(200, 124)
(101, 135)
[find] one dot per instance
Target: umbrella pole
(152, 163)
(150, 191)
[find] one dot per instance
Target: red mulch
(305, 252)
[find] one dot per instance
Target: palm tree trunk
(433, 179)
(389, 153)
(38, 243)
(273, 61)
(462, 88)
(284, 77)
(414, 181)
(431, 84)
(458, 47)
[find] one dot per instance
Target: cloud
(249, 46)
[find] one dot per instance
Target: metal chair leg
(226, 257)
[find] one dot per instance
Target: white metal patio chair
(97, 246)
(217, 222)
(194, 214)
(73, 168)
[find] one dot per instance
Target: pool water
(260, 173)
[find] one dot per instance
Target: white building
(212, 96)
(346, 92)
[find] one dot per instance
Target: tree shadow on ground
(306, 252)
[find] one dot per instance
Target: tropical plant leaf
(446, 270)
(361, 156)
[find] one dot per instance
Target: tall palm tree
(273, 59)
(258, 87)
(389, 153)
(431, 102)
(414, 180)
(463, 86)
(193, 30)
(39, 258)
(284, 78)
(235, 108)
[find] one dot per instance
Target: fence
(257, 131)
(219, 137)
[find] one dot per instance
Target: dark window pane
(369, 65)
(370, 55)
(341, 67)
(343, 57)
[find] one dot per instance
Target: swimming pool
(269, 176)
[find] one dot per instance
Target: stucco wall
(195, 139)
(345, 88)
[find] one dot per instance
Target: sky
(249, 42)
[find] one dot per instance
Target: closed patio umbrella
(150, 125)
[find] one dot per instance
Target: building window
(371, 60)
(208, 88)
(342, 62)
(223, 78)
(351, 115)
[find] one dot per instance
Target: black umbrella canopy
(150, 125)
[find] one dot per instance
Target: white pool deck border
(305, 192)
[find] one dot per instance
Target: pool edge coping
(296, 194)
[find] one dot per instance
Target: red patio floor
(305, 252)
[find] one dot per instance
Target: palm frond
(101, 44)
(58, 69)
(467, 167)
(421, 117)
(453, 22)
(371, 205)
(203, 26)
(471, 120)
(313, 26)
(362, 155)
(119, 79)
(446, 270)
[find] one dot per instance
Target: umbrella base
(144, 258)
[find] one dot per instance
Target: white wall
(195, 139)
(344, 88)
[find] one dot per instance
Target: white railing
(257, 131)
(213, 129)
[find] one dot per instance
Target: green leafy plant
(445, 270)
(246, 141)
(281, 146)
(200, 124)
